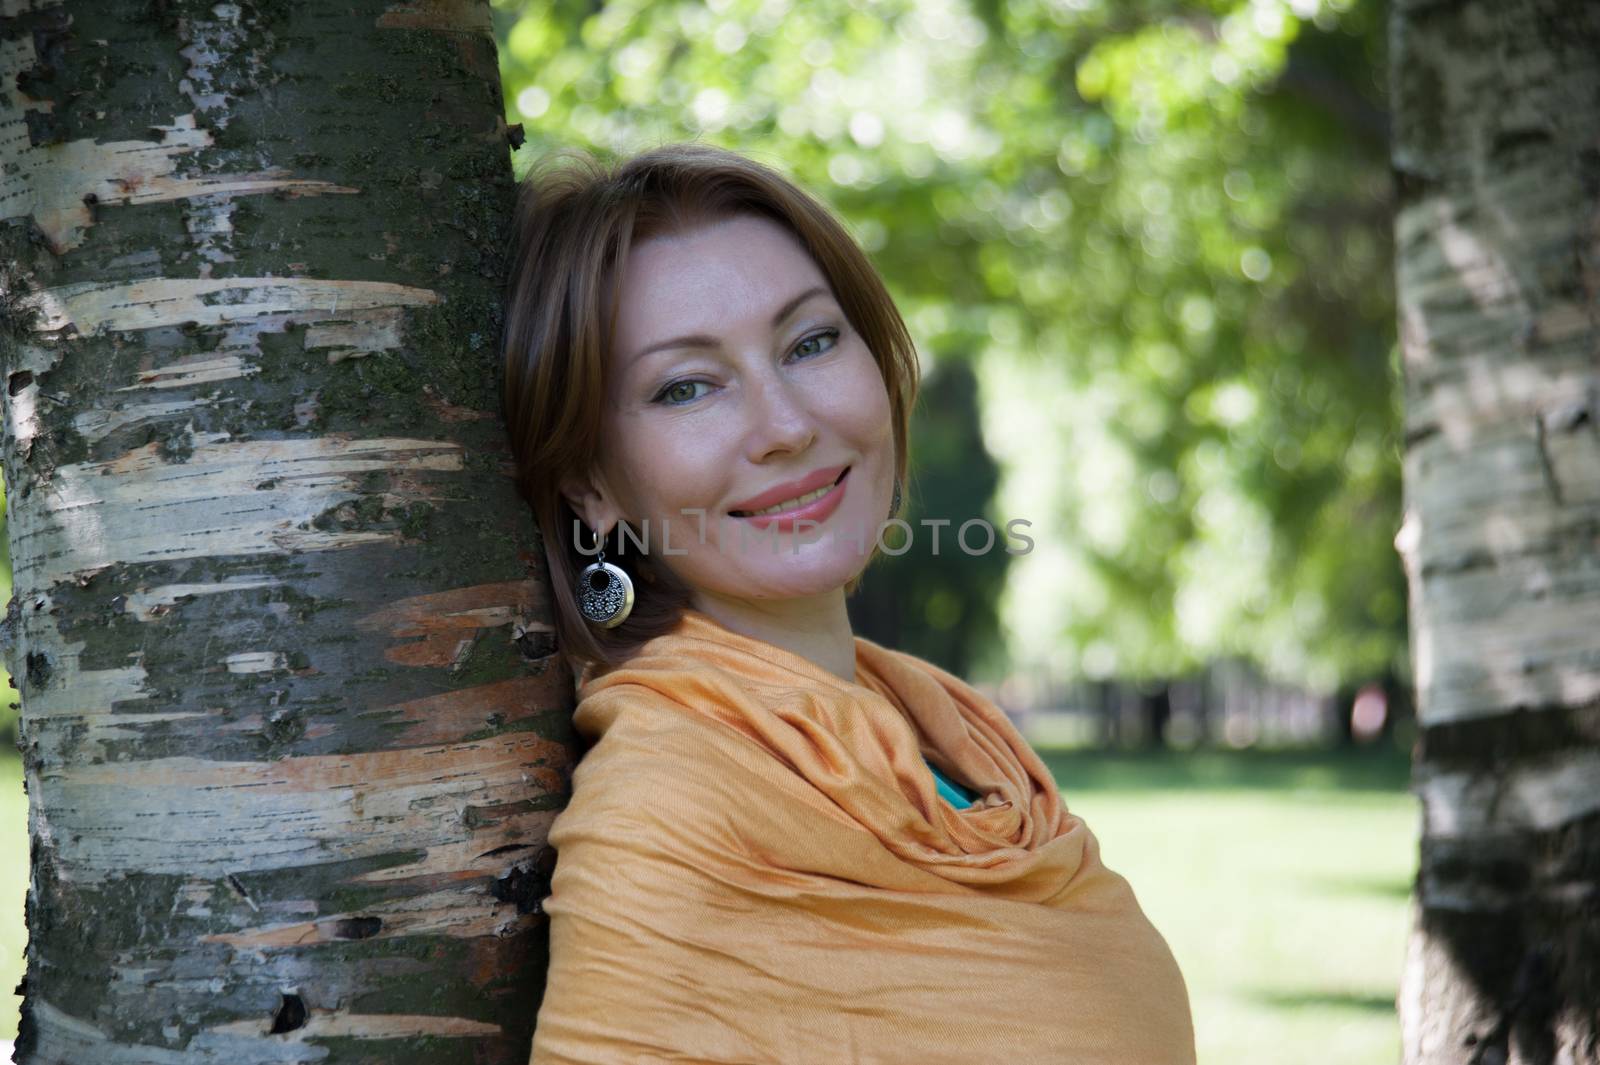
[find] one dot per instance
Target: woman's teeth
(778, 508)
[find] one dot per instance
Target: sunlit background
(1144, 249)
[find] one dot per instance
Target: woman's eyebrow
(701, 340)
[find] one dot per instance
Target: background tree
(1499, 286)
(934, 596)
(288, 763)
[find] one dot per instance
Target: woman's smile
(815, 505)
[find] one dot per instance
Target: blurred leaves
(1158, 234)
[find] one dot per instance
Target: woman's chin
(794, 582)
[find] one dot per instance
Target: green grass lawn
(1280, 882)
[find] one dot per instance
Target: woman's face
(737, 383)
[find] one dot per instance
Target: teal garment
(953, 793)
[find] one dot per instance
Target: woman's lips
(817, 510)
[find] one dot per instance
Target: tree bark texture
(291, 728)
(1497, 159)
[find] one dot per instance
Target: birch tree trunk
(1497, 153)
(291, 736)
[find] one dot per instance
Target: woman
(785, 843)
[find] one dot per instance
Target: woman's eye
(830, 335)
(678, 392)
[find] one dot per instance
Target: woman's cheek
(851, 390)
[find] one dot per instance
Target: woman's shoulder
(647, 737)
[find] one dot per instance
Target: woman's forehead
(711, 281)
(749, 251)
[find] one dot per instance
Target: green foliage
(1157, 231)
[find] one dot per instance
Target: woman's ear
(590, 502)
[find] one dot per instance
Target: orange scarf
(756, 867)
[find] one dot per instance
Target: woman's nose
(780, 418)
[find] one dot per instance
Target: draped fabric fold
(756, 867)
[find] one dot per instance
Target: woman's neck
(816, 628)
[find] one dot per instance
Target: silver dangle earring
(605, 592)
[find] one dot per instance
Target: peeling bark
(1497, 159)
(292, 733)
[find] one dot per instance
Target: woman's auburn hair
(572, 229)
